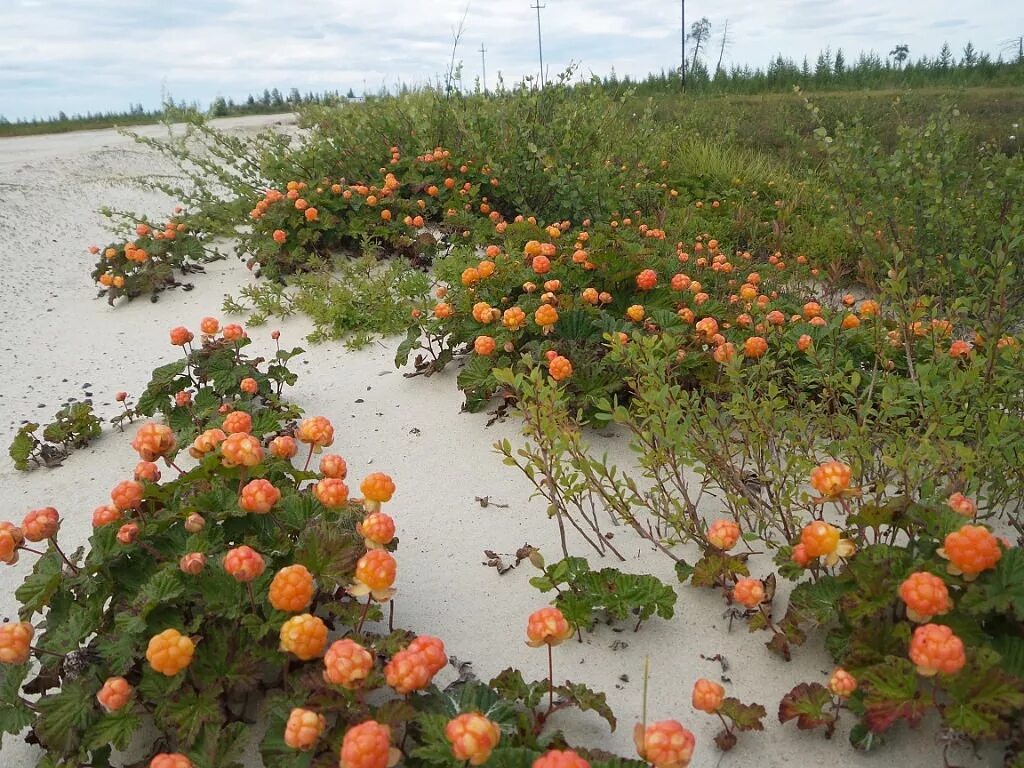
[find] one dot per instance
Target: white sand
(59, 341)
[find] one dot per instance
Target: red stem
(551, 679)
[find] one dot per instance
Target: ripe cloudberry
(377, 487)
(233, 332)
(636, 312)
(545, 316)
(934, 649)
(244, 563)
(723, 534)
(259, 496)
(209, 325)
(105, 515)
(378, 529)
(831, 479)
(800, 556)
(484, 345)
(249, 385)
(147, 471)
(331, 492)
(408, 671)
(170, 760)
(305, 636)
(926, 595)
(40, 524)
(804, 343)
(303, 728)
(347, 663)
(237, 422)
(755, 346)
(962, 505)
(283, 447)
(547, 626)
(724, 353)
(16, 642)
(842, 683)
(665, 744)
(11, 538)
(367, 745)
(473, 737)
(181, 336)
(291, 589)
(115, 694)
(707, 696)
(317, 431)
(558, 758)
(432, 649)
(332, 465)
(560, 368)
(970, 551)
(170, 652)
(206, 442)
(647, 280)
(819, 538)
(127, 494)
(153, 441)
(241, 450)
(748, 592)
(128, 533)
(375, 573)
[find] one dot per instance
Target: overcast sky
(80, 55)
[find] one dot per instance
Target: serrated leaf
(330, 551)
(715, 567)
(64, 716)
(37, 589)
(892, 692)
(810, 705)
(1000, 590)
(746, 717)
(114, 728)
(188, 711)
(586, 700)
(984, 701)
(14, 715)
(161, 588)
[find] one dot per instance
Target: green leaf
(586, 700)
(37, 589)
(1000, 590)
(746, 717)
(65, 716)
(330, 551)
(14, 715)
(810, 704)
(115, 729)
(162, 587)
(892, 692)
(715, 567)
(984, 701)
(188, 711)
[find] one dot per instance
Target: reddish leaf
(810, 704)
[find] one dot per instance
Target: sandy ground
(60, 341)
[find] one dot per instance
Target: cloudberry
(317, 431)
(347, 663)
(237, 421)
(241, 450)
(233, 332)
(206, 442)
(800, 556)
(377, 488)
(147, 471)
(557, 758)
(170, 760)
(547, 627)
(192, 563)
(378, 529)
(971, 550)
(636, 313)
(925, 595)
(128, 533)
(283, 447)
(332, 465)
(127, 494)
(432, 650)
(181, 336)
(748, 592)
(331, 492)
(755, 346)
(647, 280)
(962, 505)
(723, 534)
(153, 441)
(842, 683)
(304, 635)
(244, 563)
(170, 652)
(804, 343)
(291, 589)
(10, 539)
(724, 353)
(115, 694)
(375, 573)
(819, 538)
(408, 671)
(935, 649)
(15, 642)
(665, 744)
(831, 478)
(367, 745)
(259, 496)
(40, 524)
(303, 728)
(249, 385)
(545, 316)
(484, 345)
(195, 522)
(707, 696)
(473, 737)
(513, 318)
(209, 325)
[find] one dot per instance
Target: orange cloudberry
(962, 505)
(16, 642)
(665, 744)
(748, 592)
(408, 671)
(237, 422)
(926, 595)
(934, 649)
(831, 478)
(305, 636)
(192, 563)
(181, 336)
(723, 534)
(40, 524)
(842, 683)
(206, 442)
(153, 441)
(970, 551)
(115, 694)
(557, 758)
(367, 745)
(303, 728)
(334, 466)
(170, 652)
(11, 538)
(375, 574)
(147, 471)
(241, 450)
(707, 696)
(317, 432)
(547, 626)
(128, 533)
(283, 447)
(244, 563)
(347, 663)
(170, 760)
(259, 496)
(378, 529)
(291, 589)
(473, 737)
(127, 494)
(432, 650)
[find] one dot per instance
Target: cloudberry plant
(842, 683)
(154, 441)
(367, 745)
(244, 563)
(547, 626)
(723, 534)
(707, 696)
(557, 758)
(831, 479)
(926, 595)
(127, 495)
(181, 336)
(332, 465)
(170, 760)
(209, 326)
(259, 496)
(375, 573)
(331, 492)
(40, 524)
(303, 729)
(748, 592)
(237, 422)
(347, 663)
(305, 636)
(16, 642)
(169, 652)
(115, 694)
(934, 649)
(292, 589)
(378, 529)
(665, 744)
(970, 551)
(249, 385)
(241, 450)
(473, 737)
(408, 671)
(647, 280)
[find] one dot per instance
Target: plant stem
(37, 649)
(362, 618)
(309, 457)
(551, 679)
(56, 546)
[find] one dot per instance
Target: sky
(94, 55)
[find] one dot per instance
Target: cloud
(82, 55)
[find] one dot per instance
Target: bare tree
(699, 33)
(721, 50)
